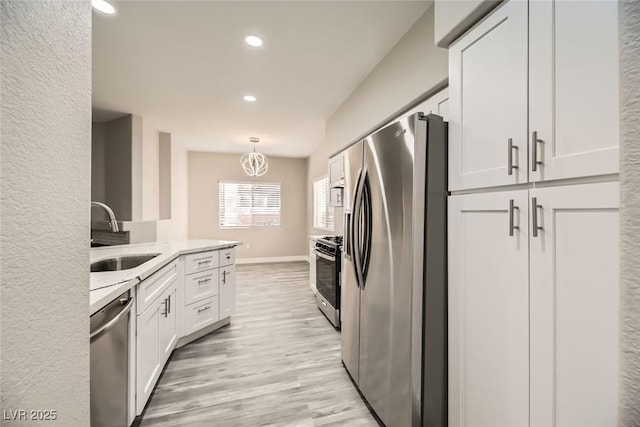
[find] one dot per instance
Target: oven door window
(327, 279)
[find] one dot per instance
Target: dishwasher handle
(107, 326)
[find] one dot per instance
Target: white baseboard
(265, 260)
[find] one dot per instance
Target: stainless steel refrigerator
(394, 286)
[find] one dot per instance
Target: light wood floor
(277, 364)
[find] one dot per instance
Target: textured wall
(290, 239)
(412, 68)
(45, 191)
(630, 212)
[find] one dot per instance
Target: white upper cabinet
(488, 310)
(568, 60)
(487, 108)
(336, 170)
(573, 88)
(574, 306)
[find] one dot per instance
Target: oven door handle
(324, 256)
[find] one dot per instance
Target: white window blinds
(322, 213)
(249, 204)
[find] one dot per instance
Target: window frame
(330, 211)
(252, 184)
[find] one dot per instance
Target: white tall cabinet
(488, 309)
(574, 305)
(533, 261)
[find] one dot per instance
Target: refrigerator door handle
(347, 235)
(356, 232)
(367, 227)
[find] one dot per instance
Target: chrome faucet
(112, 218)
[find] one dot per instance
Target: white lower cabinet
(312, 264)
(533, 307)
(227, 280)
(156, 337)
(181, 299)
(200, 315)
(168, 324)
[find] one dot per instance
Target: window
(322, 213)
(249, 204)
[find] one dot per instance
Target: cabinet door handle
(534, 151)
(166, 307)
(224, 277)
(534, 216)
(169, 304)
(510, 165)
(512, 226)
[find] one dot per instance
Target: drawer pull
(204, 280)
(200, 310)
(204, 262)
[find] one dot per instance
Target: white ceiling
(184, 66)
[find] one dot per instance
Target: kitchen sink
(123, 262)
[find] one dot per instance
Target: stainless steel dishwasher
(110, 363)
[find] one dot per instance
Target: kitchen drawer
(200, 314)
(151, 288)
(199, 286)
(227, 257)
(201, 261)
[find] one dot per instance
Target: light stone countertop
(105, 286)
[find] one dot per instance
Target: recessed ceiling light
(103, 6)
(253, 41)
(249, 98)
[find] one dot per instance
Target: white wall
(454, 17)
(290, 239)
(164, 180)
(630, 213)
(177, 228)
(117, 167)
(414, 68)
(150, 171)
(98, 185)
(45, 189)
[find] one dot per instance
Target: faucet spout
(112, 218)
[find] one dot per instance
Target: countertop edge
(113, 291)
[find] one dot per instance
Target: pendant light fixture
(254, 164)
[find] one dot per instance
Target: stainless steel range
(328, 254)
